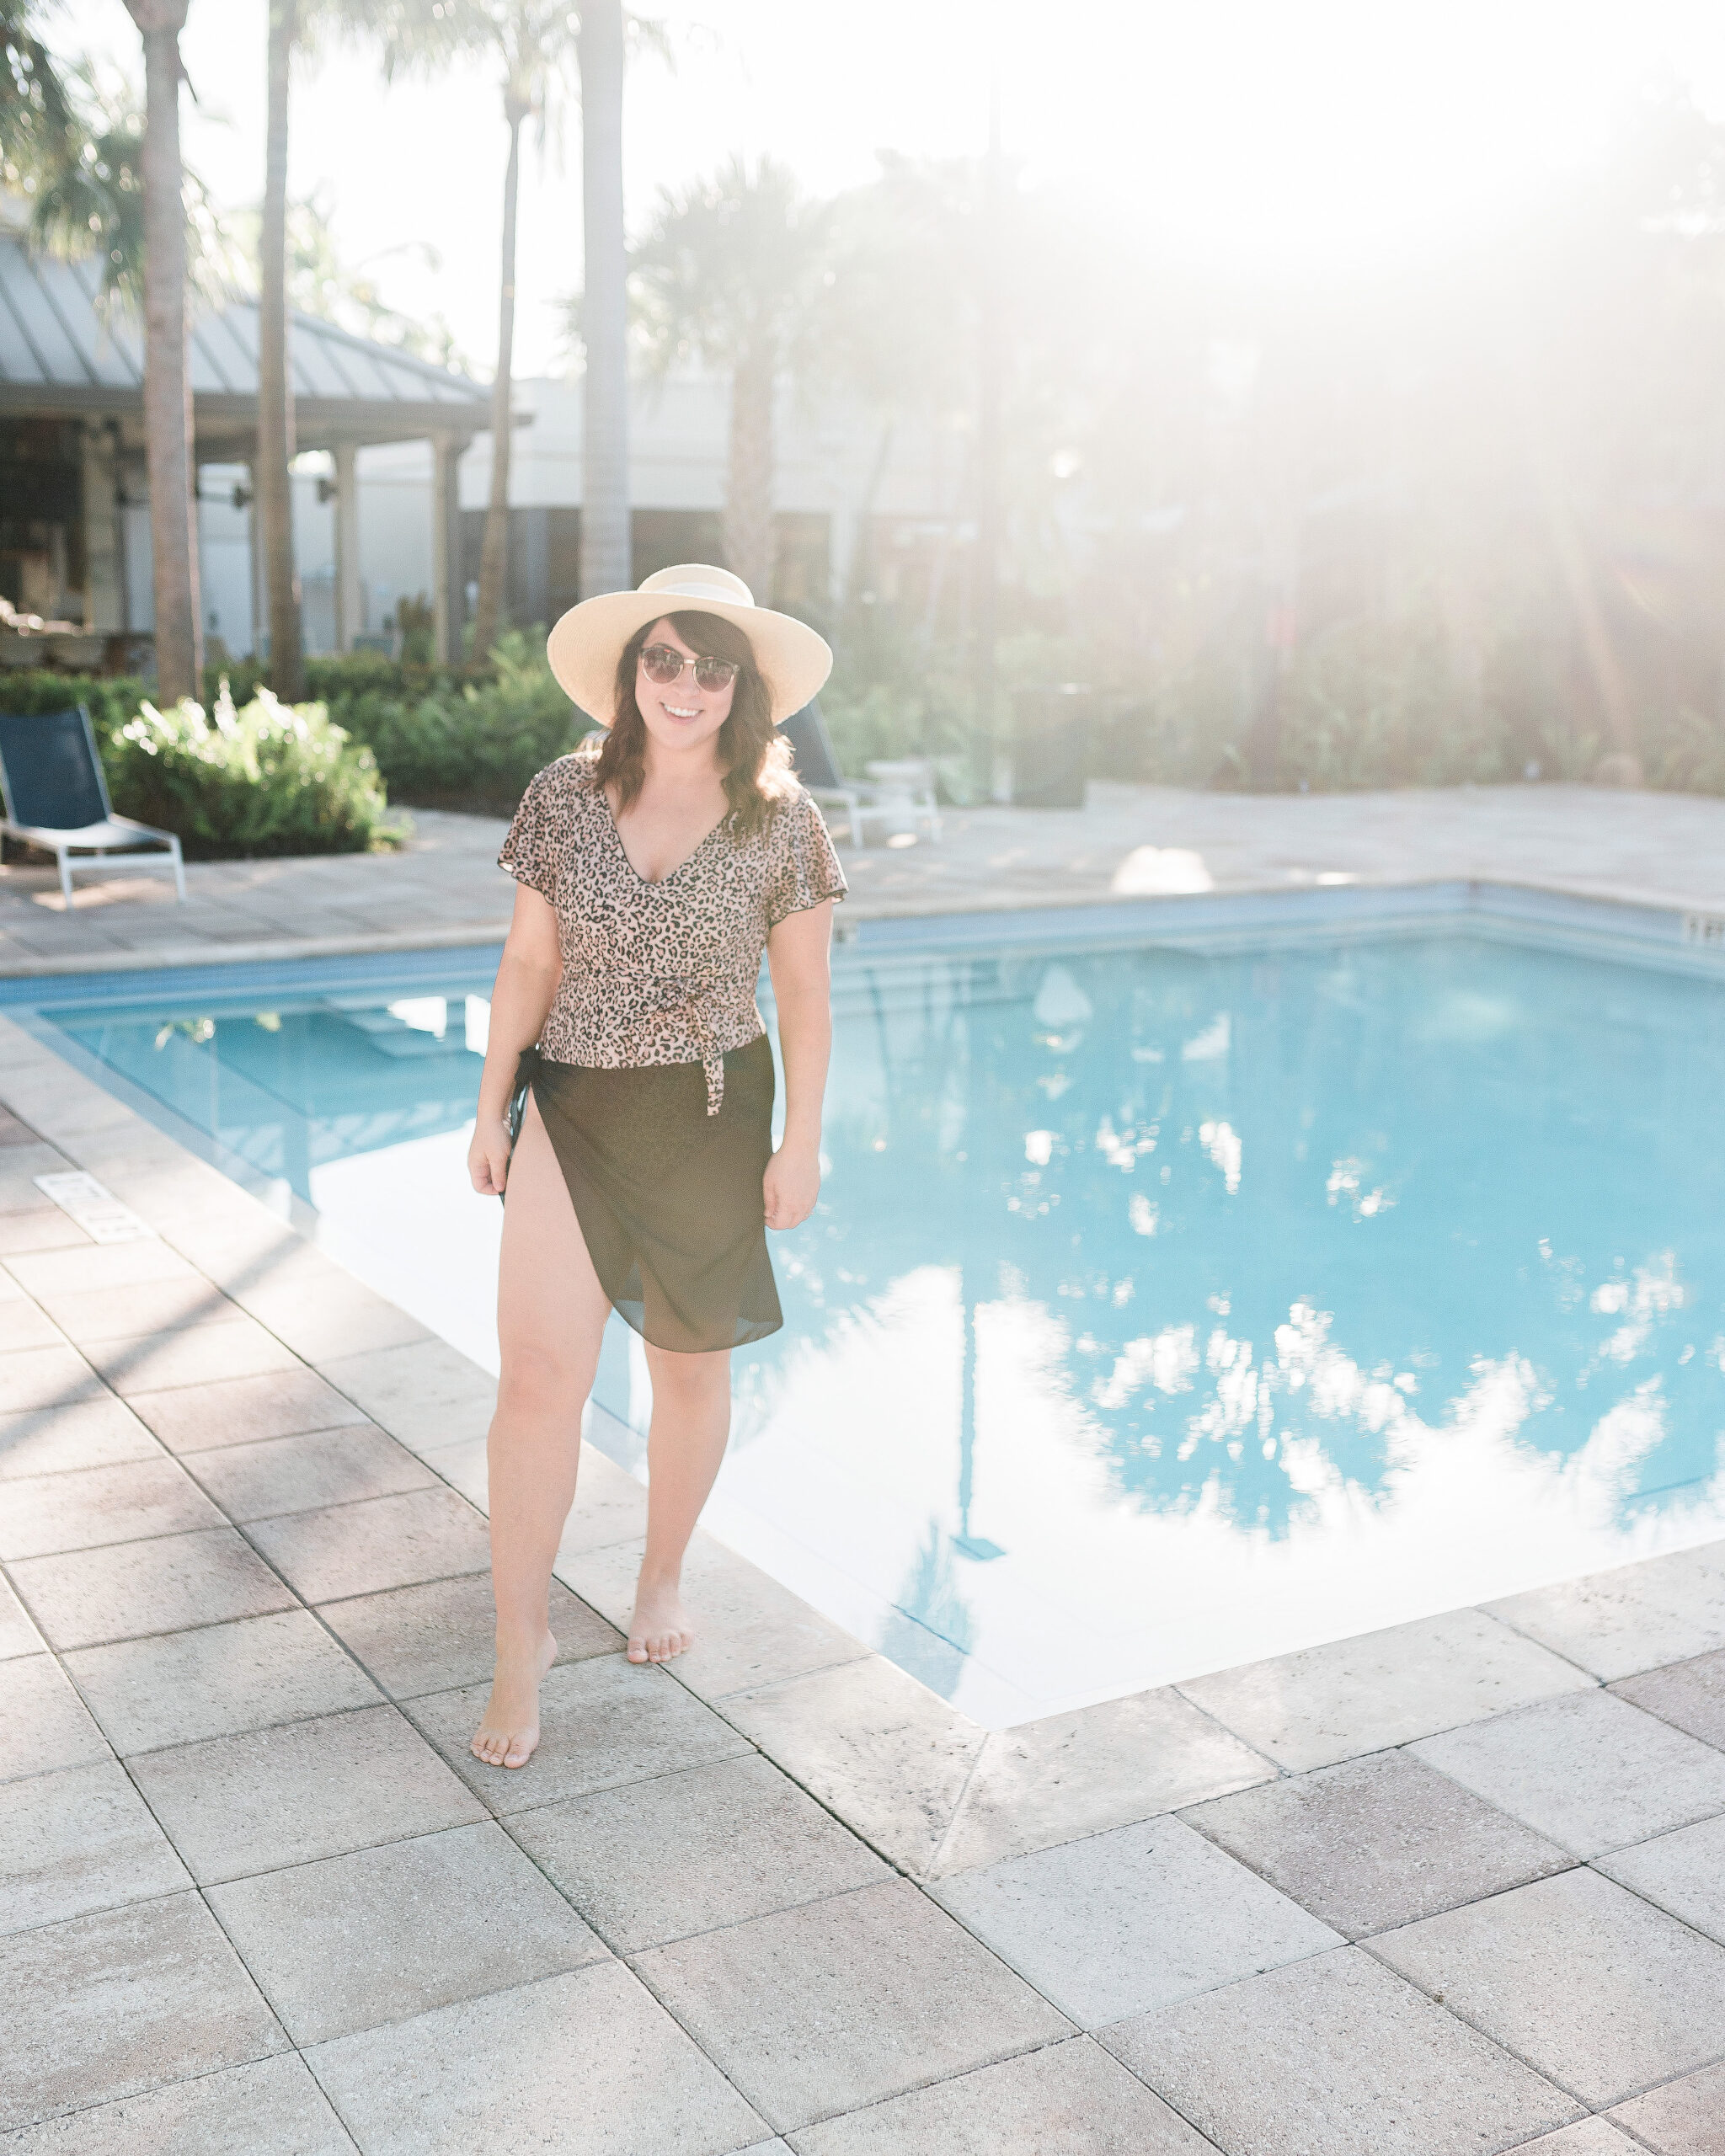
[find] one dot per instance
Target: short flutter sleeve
(533, 852)
(807, 865)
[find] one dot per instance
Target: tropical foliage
(730, 273)
(271, 778)
(436, 737)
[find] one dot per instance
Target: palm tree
(534, 41)
(732, 274)
(272, 483)
(167, 396)
(605, 551)
(38, 126)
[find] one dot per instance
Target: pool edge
(932, 1790)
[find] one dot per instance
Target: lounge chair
(57, 797)
(900, 791)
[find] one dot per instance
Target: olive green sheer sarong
(669, 1197)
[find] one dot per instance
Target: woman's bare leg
(550, 1311)
(685, 1442)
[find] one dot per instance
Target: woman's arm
(526, 981)
(802, 989)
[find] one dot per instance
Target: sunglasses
(660, 664)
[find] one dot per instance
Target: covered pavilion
(71, 437)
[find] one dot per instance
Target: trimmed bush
(441, 737)
(271, 778)
(469, 745)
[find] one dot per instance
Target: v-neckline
(658, 882)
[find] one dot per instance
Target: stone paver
(840, 2003)
(163, 1361)
(45, 1377)
(302, 1474)
(76, 1841)
(602, 1722)
(1632, 1618)
(217, 1681)
(426, 1394)
(441, 1636)
(1337, 1702)
(1691, 1696)
(354, 1941)
(511, 2071)
(100, 1432)
(1067, 2099)
(1337, 2055)
(1376, 1843)
(44, 1725)
(746, 1842)
(1052, 1780)
(1138, 1917)
(1591, 1772)
(18, 1636)
(891, 1758)
(1586, 2138)
(1582, 1979)
(166, 1585)
(1683, 1873)
(87, 1313)
(342, 1550)
(235, 1411)
(274, 2108)
(750, 1630)
(45, 1513)
(240, 1804)
(1685, 2118)
(108, 2005)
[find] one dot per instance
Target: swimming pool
(1171, 1303)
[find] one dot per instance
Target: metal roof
(57, 345)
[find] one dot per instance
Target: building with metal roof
(71, 440)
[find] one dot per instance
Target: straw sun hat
(586, 644)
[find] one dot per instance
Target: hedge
(464, 737)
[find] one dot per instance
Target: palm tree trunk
(167, 395)
(748, 501)
(605, 554)
(493, 559)
(275, 429)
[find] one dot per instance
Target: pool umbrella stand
(57, 797)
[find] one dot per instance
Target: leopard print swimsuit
(661, 973)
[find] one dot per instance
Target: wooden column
(348, 604)
(104, 559)
(449, 596)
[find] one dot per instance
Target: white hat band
(699, 591)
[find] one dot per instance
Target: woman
(634, 1141)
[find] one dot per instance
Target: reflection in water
(1161, 1310)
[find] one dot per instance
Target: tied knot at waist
(684, 999)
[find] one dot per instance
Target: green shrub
(110, 700)
(271, 778)
(471, 746)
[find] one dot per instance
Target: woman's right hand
(488, 1156)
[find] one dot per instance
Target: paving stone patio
(1451, 1887)
(442, 886)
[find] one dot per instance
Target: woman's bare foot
(660, 1627)
(508, 1735)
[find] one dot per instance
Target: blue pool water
(1164, 1308)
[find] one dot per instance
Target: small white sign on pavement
(96, 1210)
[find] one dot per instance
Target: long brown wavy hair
(753, 756)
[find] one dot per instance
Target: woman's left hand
(791, 1186)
